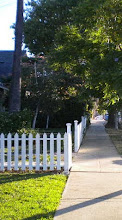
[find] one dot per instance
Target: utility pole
(15, 91)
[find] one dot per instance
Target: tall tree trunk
(47, 122)
(15, 92)
(116, 121)
(111, 119)
(35, 117)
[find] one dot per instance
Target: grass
(30, 196)
(116, 137)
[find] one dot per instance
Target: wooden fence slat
(65, 153)
(44, 151)
(76, 136)
(23, 151)
(30, 151)
(16, 152)
(51, 151)
(37, 152)
(20, 144)
(2, 152)
(58, 151)
(9, 144)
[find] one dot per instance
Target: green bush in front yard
(30, 196)
(15, 121)
(27, 131)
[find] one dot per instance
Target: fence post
(68, 150)
(2, 159)
(85, 122)
(82, 123)
(75, 136)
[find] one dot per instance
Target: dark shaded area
(41, 216)
(6, 61)
(8, 178)
(70, 111)
(118, 162)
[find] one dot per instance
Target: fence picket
(20, 144)
(30, 151)
(44, 151)
(16, 155)
(65, 153)
(37, 152)
(2, 152)
(51, 151)
(75, 136)
(58, 151)
(23, 151)
(78, 132)
(9, 151)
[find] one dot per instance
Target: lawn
(116, 137)
(30, 196)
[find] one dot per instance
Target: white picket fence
(79, 130)
(43, 152)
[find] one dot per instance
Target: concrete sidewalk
(94, 188)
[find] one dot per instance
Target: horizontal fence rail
(43, 152)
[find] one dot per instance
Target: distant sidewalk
(94, 188)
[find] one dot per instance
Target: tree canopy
(80, 38)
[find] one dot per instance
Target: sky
(7, 18)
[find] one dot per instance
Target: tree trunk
(116, 121)
(35, 117)
(35, 70)
(47, 123)
(111, 121)
(15, 92)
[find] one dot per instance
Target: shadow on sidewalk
(118, 162)
(88, 203)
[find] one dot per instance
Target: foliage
(24, 196)
(27, 131)
(89, 40)
(60, 95)
(14, 121)
(47, 17)
(85, 43)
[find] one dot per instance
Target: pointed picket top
(51, 135)
(30, 136)
(58, 135)
(23, 135)
(65, 135)
(44, 135)
(2, 135)
(9, 135)
(37, 135)
(16, 135)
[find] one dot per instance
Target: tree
(51, 93)
(15, 92)
(46, 17)
(86, 44)
(93, 39)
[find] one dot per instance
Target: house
(6, 61)
(3, 91)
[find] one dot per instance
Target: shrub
(27, 131)
(15, 121)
